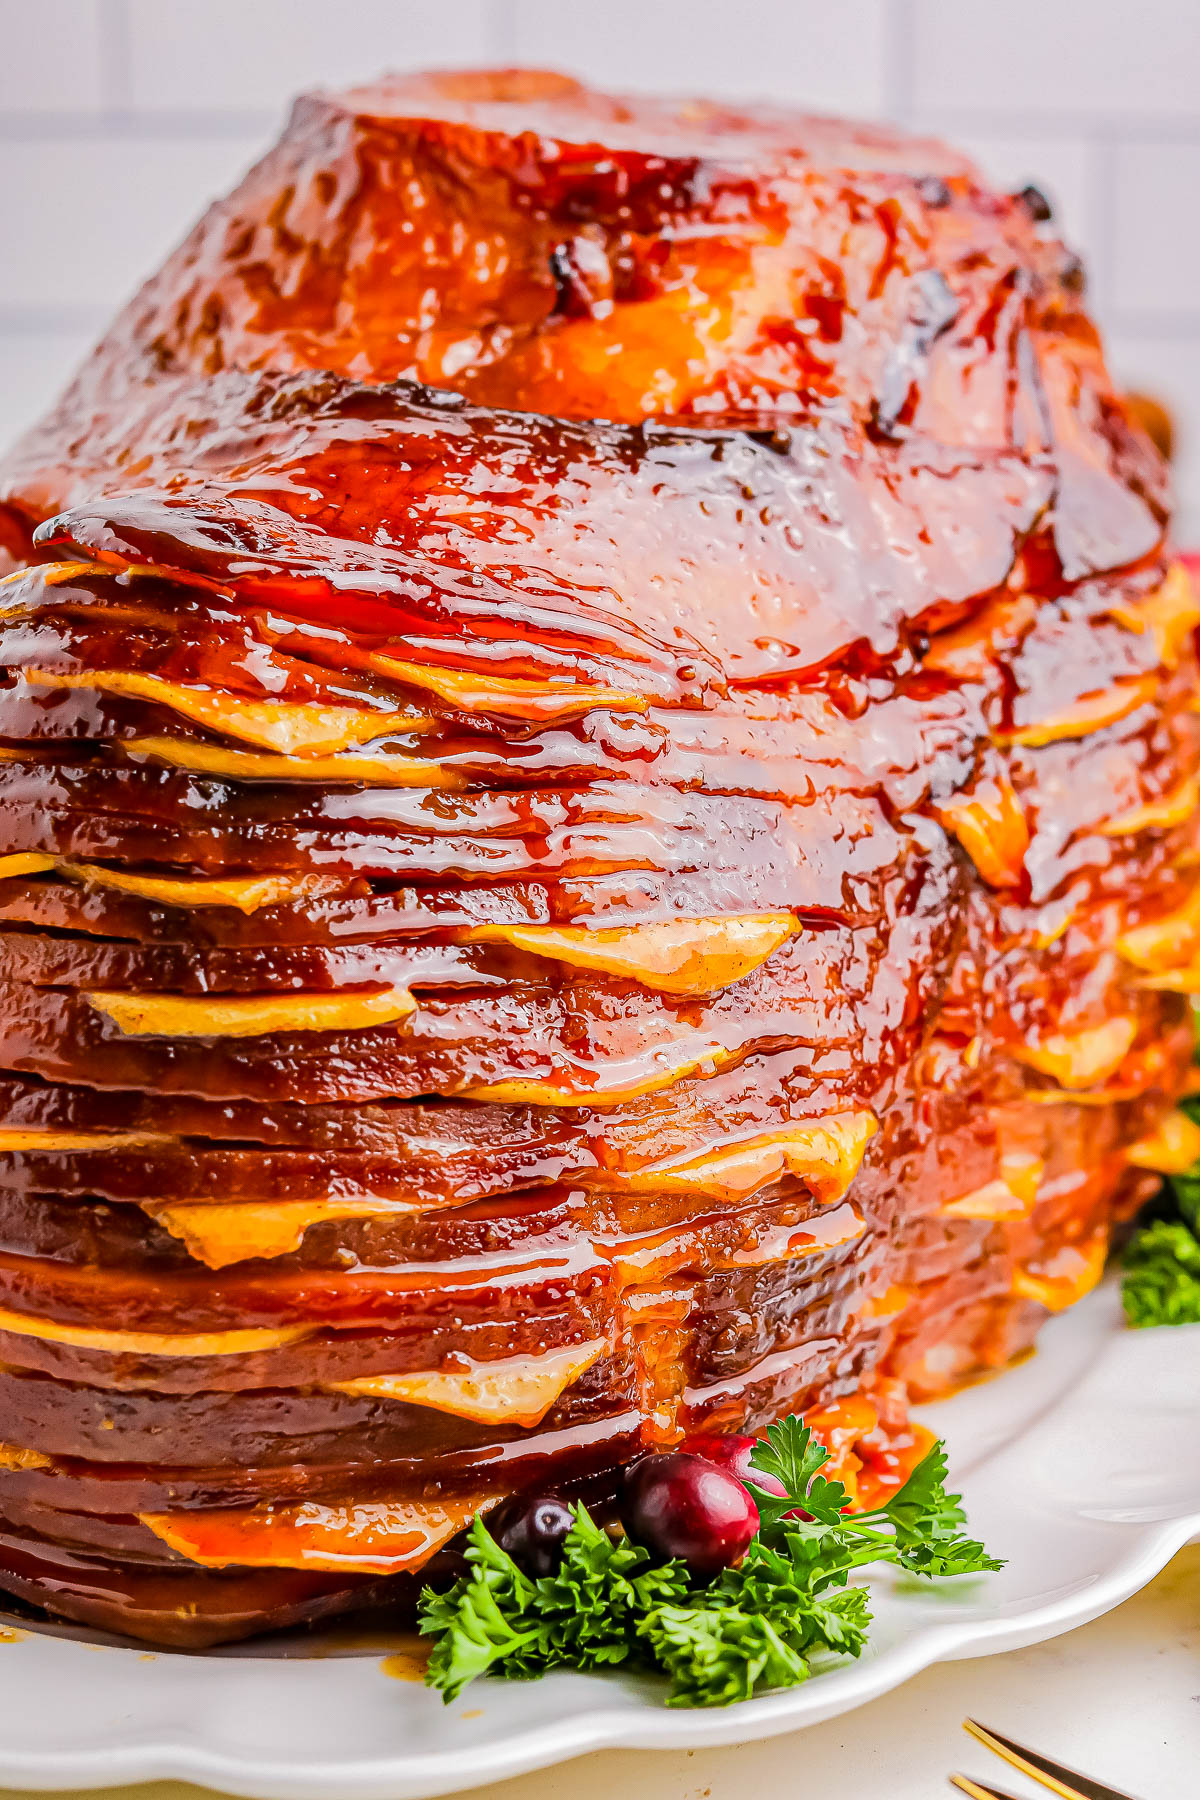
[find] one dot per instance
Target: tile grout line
(1023, 122)
(116, 126)
(29, 321)
(1101, 222)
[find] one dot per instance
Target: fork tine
(1069, 1784)
(975, 1790)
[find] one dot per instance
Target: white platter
(1082, 1467)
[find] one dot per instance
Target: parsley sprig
(1161, 1285)
(755, 1626)
(1162, 1275)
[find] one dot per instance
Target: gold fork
(1067, 1783)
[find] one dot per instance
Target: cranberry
(732, 1453)
(686, 1506)
(531, 1528)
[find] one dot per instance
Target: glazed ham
(598, 808)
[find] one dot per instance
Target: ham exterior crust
(647, 891)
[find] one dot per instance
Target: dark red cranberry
(731, 1453)
(686, 1506)
(531, 1528)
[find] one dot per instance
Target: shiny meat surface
(650, 890)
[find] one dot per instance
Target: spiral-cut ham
(650, 890)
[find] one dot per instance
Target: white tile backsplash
(254, 55)
(119, 119)
(34, 366)
(83, 220)
(1064, 59)
(828, 58)
(1156, 205)
(52, 57)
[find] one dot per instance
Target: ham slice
(597, 837)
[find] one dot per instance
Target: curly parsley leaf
(790, 1453)
(1162, 1276)
(484, 1619)
(922, 1507)
(1186, 1192)
(928, 1524)
(1161, 1283)
(715, 1657)
(754, 1626)
(584, 1616)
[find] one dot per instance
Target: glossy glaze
(745, 811)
